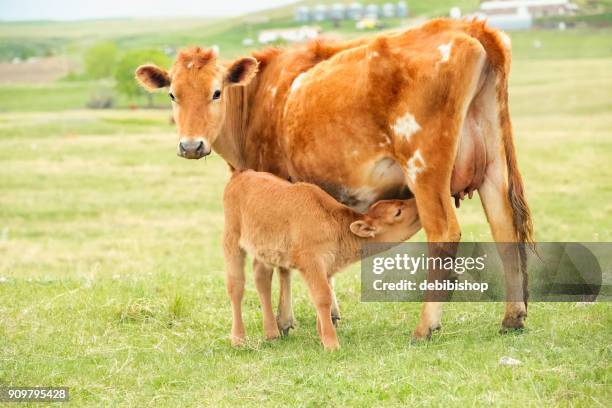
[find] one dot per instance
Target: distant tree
(124, 74)
(100, 60)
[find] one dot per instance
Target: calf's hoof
(237, 341)
(331, 346)
(284, 325)
(272, 334)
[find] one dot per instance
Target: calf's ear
(241, 71)
(363, 229)
(152, 77)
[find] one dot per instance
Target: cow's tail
(521, 215)
(497, 46)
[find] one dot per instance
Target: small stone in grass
(509, 362)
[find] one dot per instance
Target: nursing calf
(300, 226)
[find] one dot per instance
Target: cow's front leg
(430, 182)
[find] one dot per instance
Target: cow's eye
(171, 95)
(217, 94)
(399, 212)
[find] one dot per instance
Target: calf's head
(196, 84)
(388, 221)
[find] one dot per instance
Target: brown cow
(300, 226)
(202, 114)
(424, 109)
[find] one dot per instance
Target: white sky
(88, 9)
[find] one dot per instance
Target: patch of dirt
(36, 70)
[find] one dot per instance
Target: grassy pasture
(111, 272)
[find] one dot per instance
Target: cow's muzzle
(193, 148)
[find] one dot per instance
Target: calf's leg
(234, 274)
(335, 309)
(263, 283)
(284, 319)
(321, 295)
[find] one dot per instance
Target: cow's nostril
(200, 147)
(182, 148)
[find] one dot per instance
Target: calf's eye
(217, 94)
(171, 95)
(399, 212)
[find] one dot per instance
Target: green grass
(113, 272)
(63, 95)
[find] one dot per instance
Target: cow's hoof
(420, 335)
(335, 320)
(513, 323)
(284, 325)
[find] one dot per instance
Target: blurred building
(402, 9)
(319, 13)
(290, 35)
(536, 8)
(354, 11)
(388, 10)
(519, 14)
(337, 11)
(372, 11)
(302, 14)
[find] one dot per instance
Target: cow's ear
(152, 77)
(363, 229)
(241, 71)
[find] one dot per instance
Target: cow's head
(195, 86)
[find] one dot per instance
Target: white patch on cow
(445, 50)
(273, 91)
(416, 165)
(373, 54)
(297, 82)
(505, 38)
(189, 65)
(406, 126)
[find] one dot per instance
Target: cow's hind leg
(284, 319)
(495, 200)
(263, 283)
